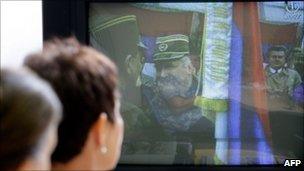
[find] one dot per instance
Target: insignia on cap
(163, 47)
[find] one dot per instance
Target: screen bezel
(70, 18)
(65, 18)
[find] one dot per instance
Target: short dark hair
(85, 81)
(28, 106)
(277, 48)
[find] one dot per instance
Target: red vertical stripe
(238, 15)
(258, 79)
(247, 20)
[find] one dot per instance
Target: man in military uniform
(136, 120)
(281, 80)
(177, 85)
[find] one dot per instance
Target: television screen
(206, 83)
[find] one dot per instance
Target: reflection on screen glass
(206, 83)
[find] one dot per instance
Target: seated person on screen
(177, 85)
(90, 135)
(281, 81)
(134, 115)
(29, 117)
(134, 64)
(297, 60)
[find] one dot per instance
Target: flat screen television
(204, 84)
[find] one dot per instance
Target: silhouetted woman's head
(86, 83)
(30, 113)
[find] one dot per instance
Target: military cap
(171, 47)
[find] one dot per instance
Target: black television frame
(64, 18)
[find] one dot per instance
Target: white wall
(277, 12)
(21, 30)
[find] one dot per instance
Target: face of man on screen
(277, 59)
(181, 70)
